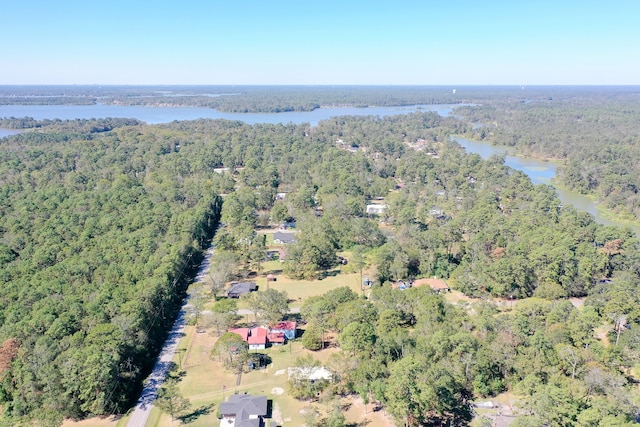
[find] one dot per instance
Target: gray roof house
(280, 238)
(240, 288)
(243, 410)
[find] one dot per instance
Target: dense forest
(103, 221)
(99, 235)
(593, 133)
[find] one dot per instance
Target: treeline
(99, 236)
(77, 127)
(594, 134)
(241, 99)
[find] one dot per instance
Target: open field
(205, 383)
(300, 290)
(96, 422)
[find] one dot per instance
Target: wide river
(540, 172)
(155, 115)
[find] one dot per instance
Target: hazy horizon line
(321, 85)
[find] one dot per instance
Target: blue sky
(320, 42)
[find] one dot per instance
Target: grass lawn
(97, 422)
(299, 290)
(206, 382)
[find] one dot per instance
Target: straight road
(155, 380)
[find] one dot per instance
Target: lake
(8, 132)
(540, 172)
(155, 115)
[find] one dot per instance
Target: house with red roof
(259, 338)
(243, 332)
(276, 338)
(436, 285)
(288, 329)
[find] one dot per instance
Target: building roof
(241, 288)
(257, 336)
(284, 326)
(313, 373)
(376, 209)
(276, 337)
(243, 332)
(281, 237)
(242, 407)
(435, 284)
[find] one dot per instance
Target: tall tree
(170, 399)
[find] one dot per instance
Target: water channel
(540, 172)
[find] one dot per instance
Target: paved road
(144, 405)
(245, 311)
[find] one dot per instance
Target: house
(276, 338)
(376, 209)
(241, 288)
(288, 329)
(243, 410)
(436, 285)
(259, 338)
(280, 238)
(243, 332)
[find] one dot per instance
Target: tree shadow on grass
(328, 273)
(197, 413)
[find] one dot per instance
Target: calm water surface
(154, 115)
(8, 132)
(540, 172)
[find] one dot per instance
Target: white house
(376, 209)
